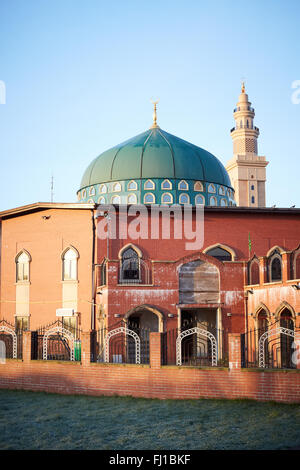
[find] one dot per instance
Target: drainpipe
(93, 272)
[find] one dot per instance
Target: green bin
(77, 350)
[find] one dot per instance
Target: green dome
(155, 154)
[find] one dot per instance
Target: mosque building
(55, 266)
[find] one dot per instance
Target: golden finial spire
(154, 113)
(243, 86)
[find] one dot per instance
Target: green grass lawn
(31, 420)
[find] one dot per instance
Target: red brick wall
(151, 381)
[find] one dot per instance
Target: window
(22, 267)
(78, 196)
(117, 187)
(199, 199)
(70, 324)
(92, 191)
(274, 267)
(252, 187)
(132, 199)
(149, 198)
(166, 184)
(84, 194)
(253, 271)
(132, 185)
(211, 188)
(296, 265)
(222, 191)
(183, 186)
(22, 323)
(198, 186)
(102, 189)
(115, 200)
(167, 198)
(212, 201)
(101, 200)
(149, 185)
(130, 267)
(223, 202)
(102, 280)
(252, 199)
(90, 201)
(219, 253)
(70, 265)
(184, 199)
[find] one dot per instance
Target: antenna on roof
(52, 188)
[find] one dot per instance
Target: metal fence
(195, 346)
(12, 339)
(270, 347)
(56, 341)
(121, 344)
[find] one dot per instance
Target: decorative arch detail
(223, 247)
(11, 332)
(275, 248)
(282, 306)
(126, 331)
(200, 332)
(152, 309)
(66, 333)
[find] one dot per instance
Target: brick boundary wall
(150, 381)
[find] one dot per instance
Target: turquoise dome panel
(156, 155)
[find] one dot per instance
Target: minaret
(246, 169)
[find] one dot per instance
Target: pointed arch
(22, 260)
(284, 305)
(253, 270)
(150, 308)
(262, 307)
(133, 247)
(222, 247)
(273, 249)
(295, 264)
(69, 258)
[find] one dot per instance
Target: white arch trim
(63, 332)
(224, 247)
(130, 245)
(126, 331)
(13, 334)
(201, 332)
(276, 247)
(268, 334)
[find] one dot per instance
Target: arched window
(91, 201)
(219, 253)
(253, 271)
(198, 186)
(78, 195)
(84, 194)
(167, 198)
(132, 199)
(130, 265)
(296, 265)
(212, 201)
(183, 186)
(115, 200)
(262, 322)
(166, 184)
(132, 186)
(184, 199)
(274, 267)
(199, 200)
(117, 187)
(22, 266)
(102, 189)
(149, 198)
(92, 191)
(223, 202)
(211, 188)
(69, 265)
(102, 280)
(222, 191)
(101, 200)
(149, 184)
(286, 342)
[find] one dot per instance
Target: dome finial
(243, 85)
(154, 113)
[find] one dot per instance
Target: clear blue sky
(80, 75)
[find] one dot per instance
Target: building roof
(40, 206)
(155, 154)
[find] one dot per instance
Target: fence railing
(195, 346)
(12, 339)
(56, 341)
(270, 347)
(121, 344)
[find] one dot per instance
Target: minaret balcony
(244, 108)
(237, 128)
